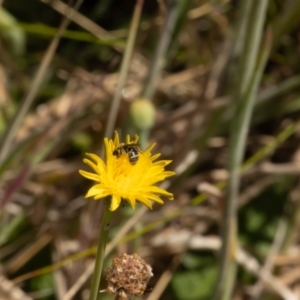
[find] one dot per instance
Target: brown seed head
(128, 276)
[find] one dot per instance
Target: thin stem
(157, 65)
(258, 156)
(268, 267)
(293, 218)
(244, 102)
(6, 142)
(286, 21)
(160, 53)
(124, 68)
(143, 138)
(253, 39)
(107, 214)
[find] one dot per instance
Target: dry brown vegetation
(225, 88)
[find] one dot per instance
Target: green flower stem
(107, 214)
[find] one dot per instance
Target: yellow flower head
(121, 179)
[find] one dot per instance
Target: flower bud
(142, 113)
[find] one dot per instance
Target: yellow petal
(91, 164)
(116, 140)
(131, 201)
(149, 149)
(127, 139)
(88, 175)
(144, 200)
(155, 198)
(154, 157)
(97, 192)
(115, 202)
(162, 163)
(169, 173)
(135, 139)
(95, 157)
(158, 190)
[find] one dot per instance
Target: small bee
(132, 150)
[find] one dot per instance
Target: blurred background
(219, 81)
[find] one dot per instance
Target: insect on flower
(127, 173)
(132, 150)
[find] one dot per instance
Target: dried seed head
(128, 276)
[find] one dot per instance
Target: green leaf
(13, 35)
(194, 285)
(12, 228)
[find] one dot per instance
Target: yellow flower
(120, 179)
